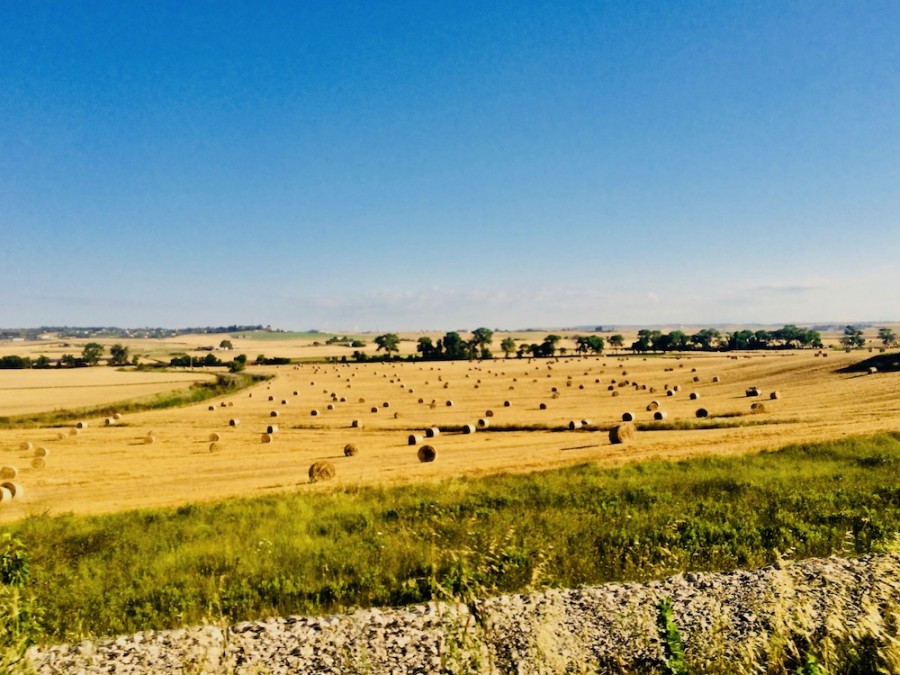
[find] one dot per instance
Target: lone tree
(481, 340)
(92, 353)
(617, 341)
(853, 338)
(508, 345)
(389, 342)
(226, 344)
(887, 336)
(118, 355)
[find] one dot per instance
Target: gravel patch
(741, 617)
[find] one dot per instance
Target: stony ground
(727, 622)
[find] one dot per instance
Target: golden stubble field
(111, 468)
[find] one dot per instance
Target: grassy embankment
(320, 552)
(223, 385)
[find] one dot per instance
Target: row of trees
(453, 346)
(91, 355)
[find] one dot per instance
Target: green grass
(223, 385)
(322, 552)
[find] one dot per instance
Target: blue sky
(443, 165)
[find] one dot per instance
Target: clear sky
(428, 164)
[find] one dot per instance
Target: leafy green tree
(389, 342)
(92, 353)
(118, 355)
(550, 344)
(455, 347)
(481, 341)
(887, 336)
(226, 344)
(508, 346)
(853, 338)
(42, 362)
(426, 347)
(617, 341)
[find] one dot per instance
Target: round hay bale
(702, 412)
(659, 415)
(775, 395)
(757, 407)
(74, 431)
(716, 379)
(670, 392)
(653, 405)
(872, 370)
(488, 413)
(356, 424)
(149, 439)
(362, 400)
(41, 451)
(117, 416)
(284, 401)
(233, 422)
(5, 495)
(223, 404)
(432, 432)
(483, 423)
(397, 415)
(330, 406)
(295, 393)
(386, 404)
(542, 406)
(421, 400)
(272, 429)
(628, 417)
(350, 450)
(752, 391)
(574, 425)
(449, 404)
(313, 413)
(426, 453)
(38, 463)
(108, 422)
(213, 437)
(26, 446)
(8, 472)
(212, 408)
(267, 438)
(81, 425)
(321, 470)
(373, 409)
(586, 423)
(622, 433)
(414, 439)
(694, 396)
(275, 413)
(696, 378)
(214, 447)
(506, 404)
(468, 428)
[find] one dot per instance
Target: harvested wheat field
(526, 415)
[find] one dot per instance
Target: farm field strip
(104, 469)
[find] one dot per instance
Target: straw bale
(8, 472)
(321, 470)
(426, 453)
(622, 433)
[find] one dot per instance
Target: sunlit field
(525, 413)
